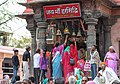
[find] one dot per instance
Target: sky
(17, 25)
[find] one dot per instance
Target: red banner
(62, 11)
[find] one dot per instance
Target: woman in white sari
(106, 75)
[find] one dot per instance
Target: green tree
(7, 15)
(21, 43)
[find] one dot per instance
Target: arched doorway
(7, 67)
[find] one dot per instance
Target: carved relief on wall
(98, 3)
(87, 4)
(50, 34)
(30, 22)
(91, 4)
(39, 14)
(118, 39)
(40, 33)
(91, 8)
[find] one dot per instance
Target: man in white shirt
(106, 75)
(36, 59)
(95, 59)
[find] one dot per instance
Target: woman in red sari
(70, 52)
(67, 68)
(74, 53)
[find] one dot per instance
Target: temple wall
(115, 35)
(116, 11)
(105, 9)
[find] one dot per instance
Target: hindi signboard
(62, 11)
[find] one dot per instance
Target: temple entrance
(75, 30)
(103, 36)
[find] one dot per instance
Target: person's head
(50, 81)
(48, 54)
(103, 65)
(44, 52)
(38, 51)
(82, 50)
(28, 48)
(59, 81)
(111, 49)
(72, 42)
(94, 47)
(17, 78)
(26, 81)
(41, 51)
(57, 44)
(31, 79)
(84, 80)
(15, 51)
(90, 82)
(72, 80)
(6, 77)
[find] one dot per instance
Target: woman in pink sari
(111, 59)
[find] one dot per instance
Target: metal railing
(7, 68)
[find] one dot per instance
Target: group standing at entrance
(68, 65)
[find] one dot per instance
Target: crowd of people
(65, 64)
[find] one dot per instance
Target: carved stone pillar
(41, 27)
(91, 33)
(32, 28)
(91, 20)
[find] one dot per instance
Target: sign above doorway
(62, 11)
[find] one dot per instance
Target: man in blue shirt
(15, 62)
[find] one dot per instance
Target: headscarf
(81, 64)
(47, 53)
(111, 47)
(73, 51)
(61, 48)
(54, 50)
(67, 49)
(90, 82)
(103, 63)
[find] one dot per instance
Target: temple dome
(28, 10)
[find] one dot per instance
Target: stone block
(42, 24)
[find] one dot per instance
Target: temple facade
(91, 21)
